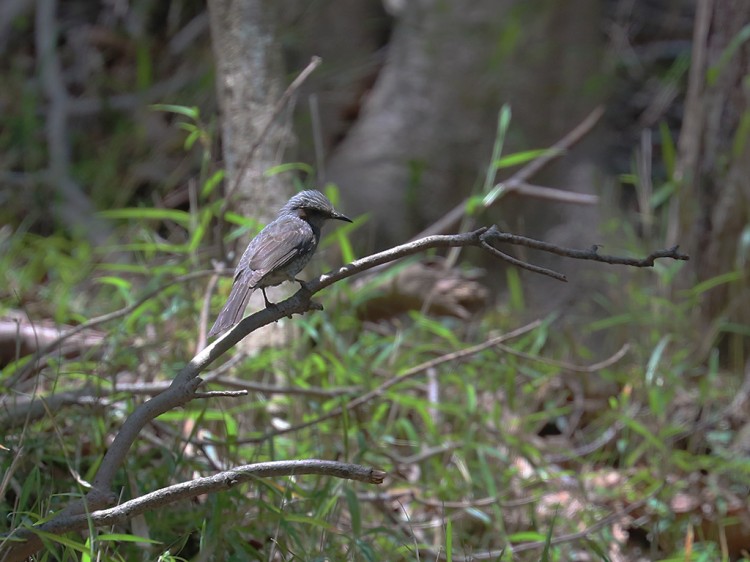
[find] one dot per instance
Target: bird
(278, 253)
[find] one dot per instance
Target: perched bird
(277, 253)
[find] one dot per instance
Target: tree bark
(249, 73)
(249, 81)
(424, 135)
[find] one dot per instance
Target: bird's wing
(276, 246)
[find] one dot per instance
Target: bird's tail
(234, 308)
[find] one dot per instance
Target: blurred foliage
(114, 60)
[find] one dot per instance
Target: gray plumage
(277, 253)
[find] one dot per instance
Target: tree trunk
(712, 211)
(424, 135)
(249, 78)
(249, 73)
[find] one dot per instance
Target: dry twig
(208, 484)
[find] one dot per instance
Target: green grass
(485, 464)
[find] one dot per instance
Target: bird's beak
(339, 216)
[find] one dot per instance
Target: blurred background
(144, 140)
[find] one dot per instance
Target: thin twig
(86, 106)
(220, 393)
(569, 366)
(77, 208)
(687, 172)
(291, 390)
(579, 452)
(222, 481)
(549, 193)
(494, 234)
(522, 264)
(32, 407)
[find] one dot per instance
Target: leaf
(65, 541)
(526, 536)
(655, 358)
(147, 213)
(288, 167)
(347, 251)
(498, 191)
(474, 204)
(210, 184)
(122, 537)
(197, 236)
(191, 138)
(708, 284)
(526, 156)
(662, 194)
(668, 150)
(144, 68)
(191, 112)
(712, 75)
(235, 218)
(354, 512)
(503, 122)
(515, 289)
(115, 281)
(644, 432)
(471, 399)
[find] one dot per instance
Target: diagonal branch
(224, 480)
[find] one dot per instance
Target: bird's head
(314, 207)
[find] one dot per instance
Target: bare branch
(76, 208)
(208, 484)
(591, 254)
(550, 193)
(220, 393)
(292, 390)
(569, 366)
(522, 264)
